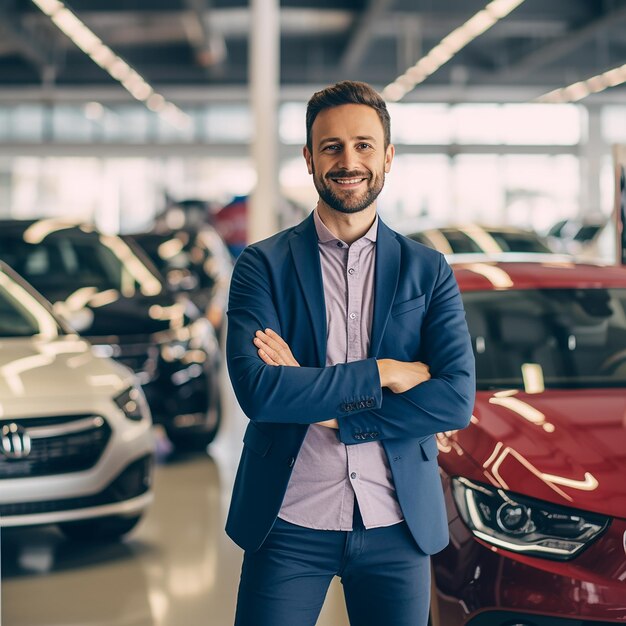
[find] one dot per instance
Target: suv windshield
(459, 241)
(548, 338)
(68, 260)
(21, 314)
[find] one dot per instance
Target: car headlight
(132, 403)
(525, 525)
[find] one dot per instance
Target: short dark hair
(347, 92)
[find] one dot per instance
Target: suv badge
(14, 442)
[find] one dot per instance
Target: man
(347, 349)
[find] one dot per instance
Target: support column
(264, 77)
(591, 166)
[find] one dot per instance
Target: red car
(536, 486)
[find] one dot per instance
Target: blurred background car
(194, 261)
(476, 239)
(76, 446)
(591, 238)
(111, 293)
(534, 490)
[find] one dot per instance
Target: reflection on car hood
(35, 371)
(140, 315)
(565, 446)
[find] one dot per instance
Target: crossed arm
(397, 376)
(391, 398)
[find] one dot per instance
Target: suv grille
(58, 445)
(134, 481)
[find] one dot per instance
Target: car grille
(134, 481)
(58, 445)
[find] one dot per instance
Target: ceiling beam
(24, 42)
(208, 44)
(361, 34)
(558, 48)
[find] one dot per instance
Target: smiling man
(348, 350)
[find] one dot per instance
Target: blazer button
(291, 461)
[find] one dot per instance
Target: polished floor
(177, 568)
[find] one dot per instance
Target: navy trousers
(385, 577)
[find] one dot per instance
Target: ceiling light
(583, 88)
(102, 55)
(48, 6)
(94, 111)
(479, 23)
(451, 44)
(156, 102)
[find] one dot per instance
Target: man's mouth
(348, 182)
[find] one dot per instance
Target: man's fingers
(273, 335)
(275, 347)
(266, 357)
(271, 343)
(267, 350)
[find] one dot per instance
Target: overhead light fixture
(583, 88)
(449, 46)
(115, 66)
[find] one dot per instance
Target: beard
(349, 201)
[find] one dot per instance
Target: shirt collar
(326, 236)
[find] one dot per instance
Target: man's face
(348, 159)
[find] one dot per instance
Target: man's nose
(349, 159)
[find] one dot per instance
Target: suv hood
(564, 446)
(33, 369)
(139, 315)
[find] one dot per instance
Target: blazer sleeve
(269, 393)
(446, 401)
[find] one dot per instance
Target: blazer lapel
(385, 283)
(306, 258)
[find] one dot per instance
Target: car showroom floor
(178, 568)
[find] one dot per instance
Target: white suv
(76, 444)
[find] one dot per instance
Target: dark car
(113, 295)
(475, 239)
(193, 260)
(535, 485)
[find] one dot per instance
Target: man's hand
(274, 350)
(400, 376)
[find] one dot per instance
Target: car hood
(110, 314)
(32, 370)
(564, 446)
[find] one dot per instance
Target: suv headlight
(132, 403)
(525, 525)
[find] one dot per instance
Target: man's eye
(332, 148)
(364, 146)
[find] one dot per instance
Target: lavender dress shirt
(328, 475)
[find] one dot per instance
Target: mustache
(345, 174)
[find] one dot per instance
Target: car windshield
(471, 241)
(21, 314)
(66, 261)
(180, 252)
(548, 338)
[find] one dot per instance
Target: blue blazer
(418, 316)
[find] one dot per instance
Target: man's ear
(389, 154)
(308, 158)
